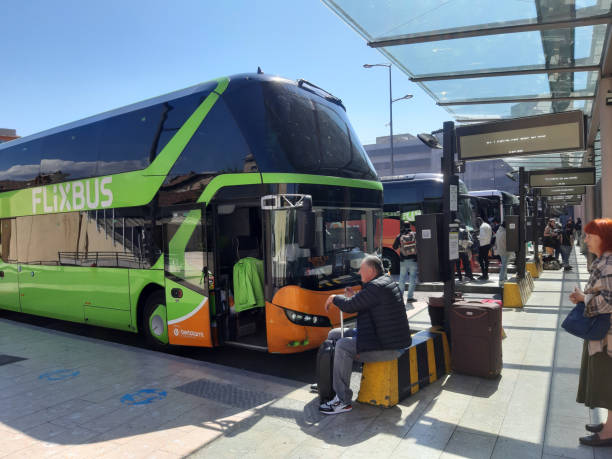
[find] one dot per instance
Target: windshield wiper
(326, 94)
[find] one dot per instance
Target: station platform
(74, 396)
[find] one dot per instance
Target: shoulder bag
(591, 328)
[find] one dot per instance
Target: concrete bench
(425, 361)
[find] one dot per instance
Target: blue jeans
(503, 269)
(408, 266)
(565, 254)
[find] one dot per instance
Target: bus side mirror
(306, 228)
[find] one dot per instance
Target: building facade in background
(411, 156)
(7, 134)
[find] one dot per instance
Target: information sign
(564, 197)
(562, 190)
(453, 244)
(562, 177)
(522, 136)
(453, 198)
(564, 203)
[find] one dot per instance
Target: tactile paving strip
(227, 394)
(6, 359)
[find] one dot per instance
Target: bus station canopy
(485, 60)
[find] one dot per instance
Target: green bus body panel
(63, 291)
(139, 279)
(320, 180)
(120, 190)
(177, 308)
(9, 288)
(226, 180)
(110, 318)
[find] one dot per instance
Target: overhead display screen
(562, 190)
(563, 197)
(565, 203)
(531, 135)
(562, 177)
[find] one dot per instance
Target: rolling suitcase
(476, 338)
(325, 366)
(435, 308)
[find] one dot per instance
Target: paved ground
(75, 396)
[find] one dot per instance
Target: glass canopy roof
(488, 59)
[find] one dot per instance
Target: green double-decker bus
(224, 213)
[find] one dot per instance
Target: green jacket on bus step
(248, 284)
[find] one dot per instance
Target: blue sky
(64, 60)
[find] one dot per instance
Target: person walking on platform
(465, 244)
(595, 383)
(578, 230)
(502, 251)
(567, 242)
(382, 331)
(484, 237)
(406, 243)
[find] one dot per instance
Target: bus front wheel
(390, 261)
(154, 321)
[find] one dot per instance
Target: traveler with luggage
(551, 238)
(382, 331)
(502, 251)
(594, 388)
(465, 244)
(406, 243)
(484, 237)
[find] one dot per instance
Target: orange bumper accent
(281, 332)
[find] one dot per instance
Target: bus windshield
(290, 130)
(342, 239)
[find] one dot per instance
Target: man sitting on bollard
(382, 331)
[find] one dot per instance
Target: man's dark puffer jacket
(381, 321)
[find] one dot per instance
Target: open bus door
(187, 295)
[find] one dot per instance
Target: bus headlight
(311, 320)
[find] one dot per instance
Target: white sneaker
(335, 406)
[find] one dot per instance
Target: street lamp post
(391, 100)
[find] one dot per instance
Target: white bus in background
(502, 204)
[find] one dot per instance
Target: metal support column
(520, 262)
(448, 169)
(536, 233)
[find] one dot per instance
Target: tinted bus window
(335, 143)
(20, 165)
(129, 140)
(292, 130)
(176, 112)
(216, 147)
(70, 154)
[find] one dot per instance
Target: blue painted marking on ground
(143, 397)
(60, 375)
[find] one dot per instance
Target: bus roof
(204, 87)
(508, 198)
(411, 188)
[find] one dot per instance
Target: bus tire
(390, 261)
(154, 321)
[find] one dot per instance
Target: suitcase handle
(472, 314)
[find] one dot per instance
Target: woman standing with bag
(595, 385)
